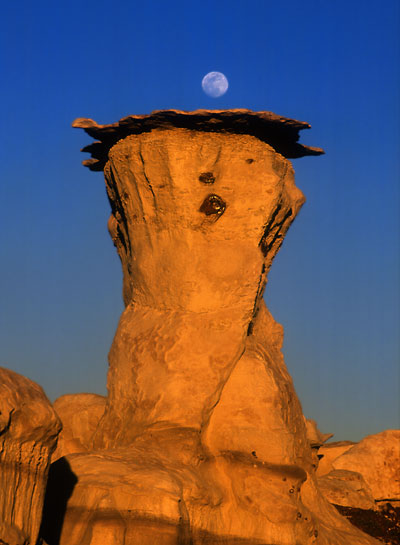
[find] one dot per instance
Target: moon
(215, 84)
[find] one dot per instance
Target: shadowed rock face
(28, 435)
(203, 438)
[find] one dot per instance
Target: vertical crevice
(184, 531)
(117, 209)
(147, 178)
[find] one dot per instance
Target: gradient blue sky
(335, 284)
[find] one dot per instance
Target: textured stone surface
(329, 452)
(377, 458)
(151, 493)
(80, 415)
(193, 282)
(347, 488)
(11, 535)
(316, 439)
(203, 438)
(314, 435)
(28, 434)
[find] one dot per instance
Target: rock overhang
(281, 133)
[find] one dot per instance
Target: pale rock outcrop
(202, 440)
(315, 437)
(377, 459)
(348, 488)
(28, 434)
(80, 415)
(329, 452)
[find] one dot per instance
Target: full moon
(215, 84)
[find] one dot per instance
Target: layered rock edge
(282, 133)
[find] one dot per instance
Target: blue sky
(335, 284)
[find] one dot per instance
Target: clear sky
(334, 285)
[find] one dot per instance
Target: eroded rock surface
(314, 435)
(28, 434)
(80, 415)
(203, 438)
(347, 488)
(193, 280)
(377, 459)
(329, 452)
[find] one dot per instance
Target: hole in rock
(213, 204)
(207, 178)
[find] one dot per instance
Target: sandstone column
(201, 202)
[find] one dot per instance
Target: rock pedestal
(203, 438)
(28, 435)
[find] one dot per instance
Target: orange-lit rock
(377, 458)
(28, 434)
(329, 452)
(80, 415)
(202, 440)
(193, 277)
(347, 488)
(314, 435)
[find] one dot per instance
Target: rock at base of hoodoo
(377, 459)
(347, 488)
(28, 434)
(80, 415)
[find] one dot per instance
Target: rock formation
(315, 437)
(80, 415)
(347, 488)
(28, 434)
(329, 452)
(373, 463)
(377, 458)
(202, 438)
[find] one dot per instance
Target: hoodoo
(202, 440)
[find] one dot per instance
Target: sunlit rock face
(203, 438)
(195, 256)
(28, 434)
(377, 459)
(80, 415)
